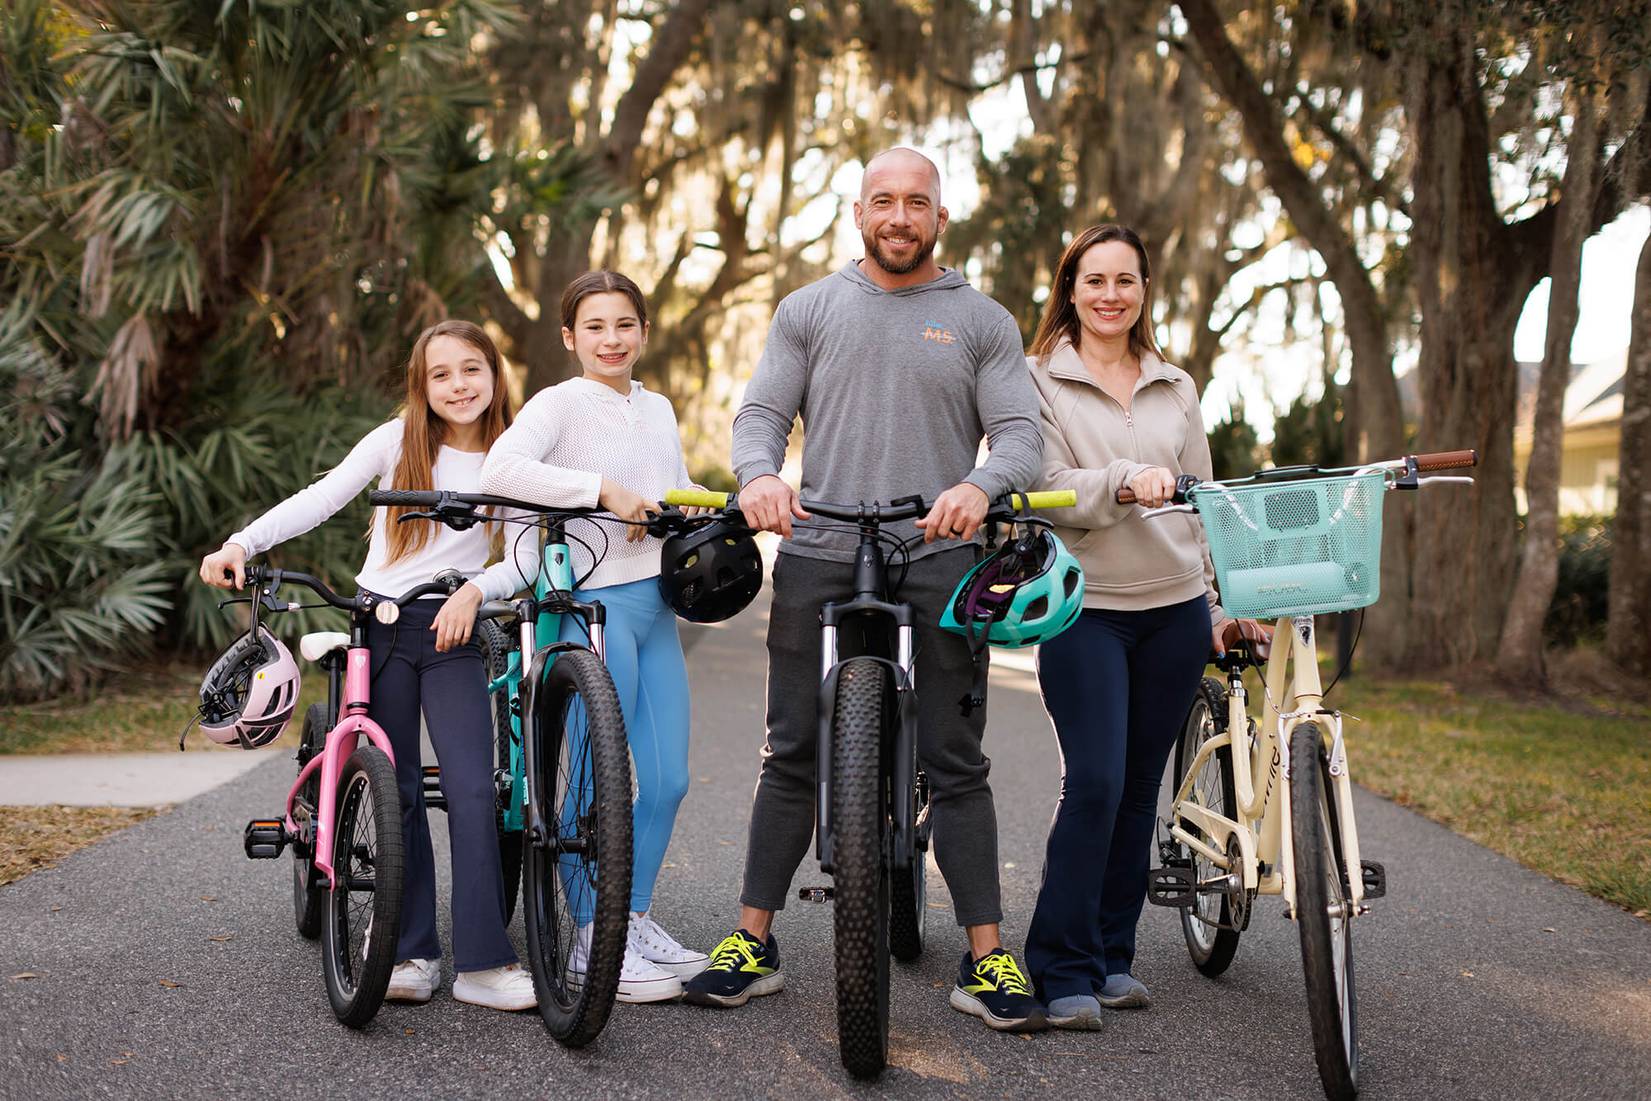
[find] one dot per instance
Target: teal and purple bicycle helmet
(1026, 592)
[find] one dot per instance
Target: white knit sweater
(569, 437)
(375, 458)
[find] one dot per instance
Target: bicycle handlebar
(1423, 464)
(909, 508)
(439, 498)
(257, 576)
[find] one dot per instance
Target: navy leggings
(451, 689)
(1117, 686)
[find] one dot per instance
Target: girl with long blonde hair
(456, 407)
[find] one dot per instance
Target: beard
(874, 250)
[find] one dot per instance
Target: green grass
(1562, 787)
(136, 714)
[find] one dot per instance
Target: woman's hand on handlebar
(770, 505)
(626, 505)
(1153, 487)
(231, 558)
(457, 617)
(1229, 632)
(957, 513)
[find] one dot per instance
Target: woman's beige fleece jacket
(1091, 444)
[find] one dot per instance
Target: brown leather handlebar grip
(1446, 460)
(1126, 496)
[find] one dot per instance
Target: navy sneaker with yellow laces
(993, 989)
(741, 968)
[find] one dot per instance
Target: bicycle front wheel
(496, 651)
(308, 898)
(361, 921)
(860, 869)
(576, 880)
(1211, 924)
(1324, 913)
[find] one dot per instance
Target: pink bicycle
(343, 814)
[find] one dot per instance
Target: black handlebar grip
(418, 497)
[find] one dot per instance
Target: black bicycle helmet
(711, 572)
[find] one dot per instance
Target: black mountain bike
(872, 821)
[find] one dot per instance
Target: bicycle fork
(902, 768)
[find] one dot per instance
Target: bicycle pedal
(265, 838)
(430, 776)
(815, 894)
(1375, 878)
(1172, 886)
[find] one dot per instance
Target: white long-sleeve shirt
(570, 436)
(375, 458)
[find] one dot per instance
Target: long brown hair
(423, 432)
(1060, 313)
(601, 282)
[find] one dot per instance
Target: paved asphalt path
(161, 963)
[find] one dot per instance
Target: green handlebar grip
(1049, 498)
(698, 498)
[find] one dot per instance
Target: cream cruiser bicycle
(1267, 808)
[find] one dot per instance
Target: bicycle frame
(538, 642)
(352, 723)
(1261, 828)
(348, 694)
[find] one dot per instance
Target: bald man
(898, 368)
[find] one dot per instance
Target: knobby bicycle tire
(496, 650)
(367, 859)
(1332, 1005)
(1212, 948)
(308, 896)
(574, 1010)
(860, 869)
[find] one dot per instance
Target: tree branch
(667, 49)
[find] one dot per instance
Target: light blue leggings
(644, 657)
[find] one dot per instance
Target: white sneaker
(661, 949)
(509, 987)
(414, 980)
(639, 980)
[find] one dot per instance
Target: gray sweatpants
(948, 745)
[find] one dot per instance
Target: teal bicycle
(563, 769)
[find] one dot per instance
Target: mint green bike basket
(1306, 547)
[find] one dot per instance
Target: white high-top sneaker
(661, 949)
(639, 980)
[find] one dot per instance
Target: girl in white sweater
(456, 408)
(603, 441)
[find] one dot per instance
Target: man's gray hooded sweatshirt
(896, 389)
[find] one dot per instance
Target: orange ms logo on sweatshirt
(938, 333)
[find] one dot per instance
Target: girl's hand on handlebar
(770, 505)
(457, 617)
(231, 558)
(626, 505)
(957, 513)
(1153, 487)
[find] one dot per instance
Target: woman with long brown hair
(1119, 682)
(456, 408)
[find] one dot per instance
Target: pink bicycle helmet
(250, 692)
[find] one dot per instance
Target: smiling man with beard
(898, 367)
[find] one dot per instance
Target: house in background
(1593, 432)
